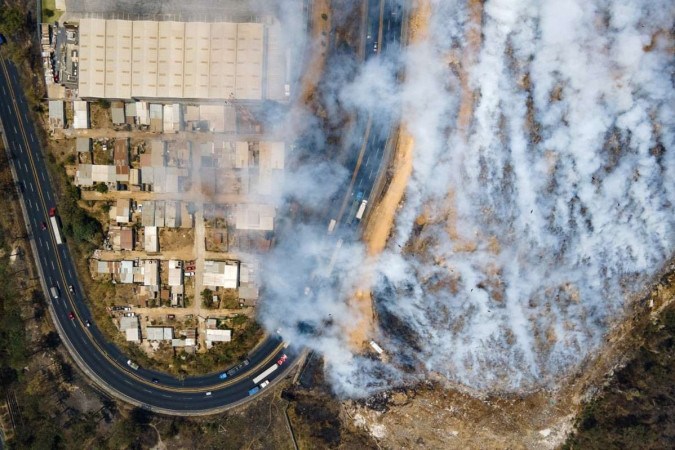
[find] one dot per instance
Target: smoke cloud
(542, 217)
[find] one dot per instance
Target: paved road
(104, 362)
(382, 39)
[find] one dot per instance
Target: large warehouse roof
(195, 60)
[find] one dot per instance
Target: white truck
(265, 374)
(55, 225)
(362, 209)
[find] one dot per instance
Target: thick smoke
(556, 198)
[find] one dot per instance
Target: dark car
(87, 323)
(71, 315)
(155, 380)
(43, 225)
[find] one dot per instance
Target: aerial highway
(101, 360)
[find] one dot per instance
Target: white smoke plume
(562, 198)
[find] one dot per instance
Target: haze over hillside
(526, 226)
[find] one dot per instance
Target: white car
(264, 384)
(208, 393)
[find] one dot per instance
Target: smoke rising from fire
(541, 217)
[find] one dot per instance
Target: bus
(55, 225)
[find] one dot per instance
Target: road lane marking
(53, 267)
(31, 187)
(40, 242)
(30, 205)
(47, 244)
(31, 137)
(48, 196)
(15, 130)
(42, 174)
(25, 166)
(3, 90)
(20, 148)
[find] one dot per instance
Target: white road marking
(53, 267)
(25, 166)
(3, 90)
(15, 130)
(9, 110)
(31, 137)
(42, 174)
(31, 187)
(70, 274)
(40, 242)
(47, 245)
(48, 196)
(30, 205)
(20, 148)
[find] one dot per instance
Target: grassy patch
(49, 12)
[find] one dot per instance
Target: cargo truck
(362, 208)
(265, 374)
(55, 225)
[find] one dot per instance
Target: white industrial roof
(218, 335)
(175, 273)
(150, 240)
(92, 58)
(117, 58)
(220, 273)
(159, 333)
(145, 59)
(255, 217)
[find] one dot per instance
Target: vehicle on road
(129, 315)
(222, 376)
(155, 380)
(208, 393)
(253, 391)
(71, 315)
(238, 367)
(132, 364)
(282, 359)
(71, 289)
(54, 291)
(87, 323)
(264, 384)
(55, 225)
(43, 226)
(331, 226)
(265, 374)
(362, 209)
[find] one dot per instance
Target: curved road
(103, 361)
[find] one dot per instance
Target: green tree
(13, 20)
(207, 298)
(102, 188)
